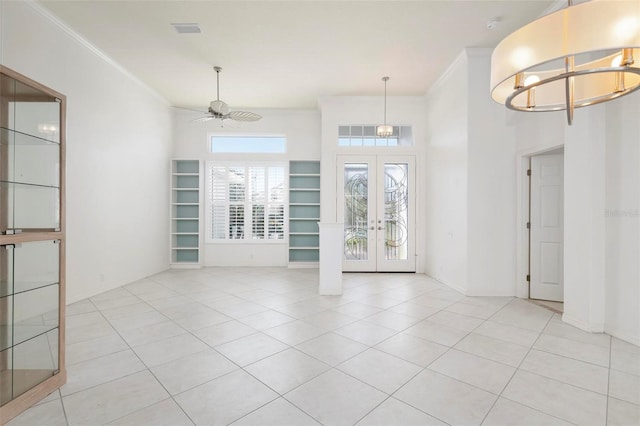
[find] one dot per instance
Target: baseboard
(622, 335)
(298, 265)
(583, 325)
(185, 266)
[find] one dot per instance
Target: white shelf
(304, 199)
(185, 246)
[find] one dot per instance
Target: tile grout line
(506, 385)
(515, 372)
(606, 417)
(147, 369)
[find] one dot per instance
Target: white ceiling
(286, 54)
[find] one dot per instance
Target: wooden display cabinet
(32, 242)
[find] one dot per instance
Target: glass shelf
(30, 207)
(30, 110)
(31, 314)
(28, 364)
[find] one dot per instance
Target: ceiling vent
(187, 28)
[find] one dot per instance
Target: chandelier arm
(569, 87)
(559, 107)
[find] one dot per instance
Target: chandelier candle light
(579, 56)
(384, 131)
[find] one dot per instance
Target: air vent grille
(187, 28)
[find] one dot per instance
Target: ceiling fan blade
(229, 123)
(203, 119)
(243, 116)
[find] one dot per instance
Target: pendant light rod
(217, 70)
(385, 79)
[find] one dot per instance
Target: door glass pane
(395, 211)
(356, 212)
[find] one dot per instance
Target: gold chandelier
(579, 56)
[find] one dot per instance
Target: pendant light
(385, 131)
(576, 57)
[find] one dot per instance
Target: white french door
(376, 205)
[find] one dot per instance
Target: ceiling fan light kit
(576, 57)
(220, 110)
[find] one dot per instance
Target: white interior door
(547, 216)
(376, 205)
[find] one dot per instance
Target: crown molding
(459, 60)
(47, 14)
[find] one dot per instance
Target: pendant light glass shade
(384, 131)
(576, 57)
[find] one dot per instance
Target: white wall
(342, 111)
(118, 148)
(191, 141)
(491, 206)
(622, 219)
(584, 196)
(445, 179)
(470, 187)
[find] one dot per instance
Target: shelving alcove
(32, 242)
(185, 213)
(304, 213)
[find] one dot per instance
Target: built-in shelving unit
(304, 213)
(185, 213)
(32, 242)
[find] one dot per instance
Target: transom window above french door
(358, 135)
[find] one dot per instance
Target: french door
(376, 204)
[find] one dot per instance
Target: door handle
(373, 228)
(379, 228)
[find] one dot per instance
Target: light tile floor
(258, 346)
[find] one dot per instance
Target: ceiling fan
(220, 110)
